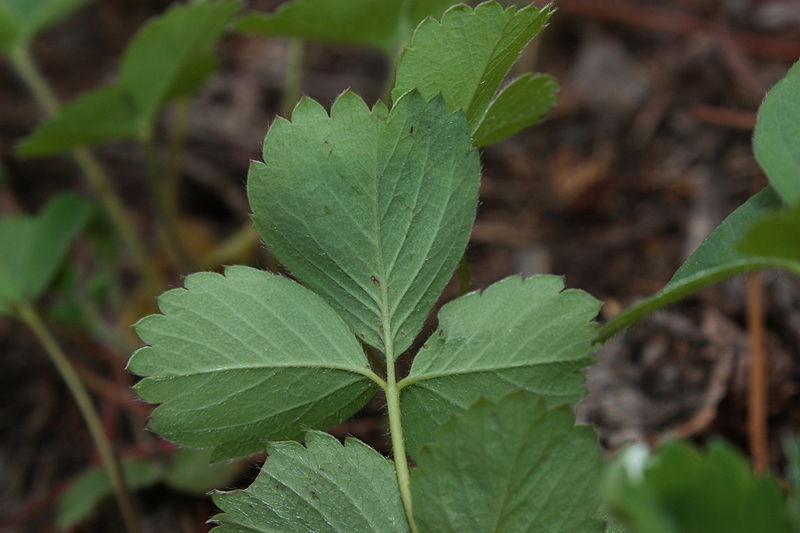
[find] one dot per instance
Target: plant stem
(395, 419)
(758, 388)
(293, 78)
(463, 275)
(110, 462)
(169, 226)
(181, 112)
(27, 69)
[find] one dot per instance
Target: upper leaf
(466, 56)
(370, 210)
(244, 358)
(518, 334)
(716, 259)
(683, 491)
(32, 248)
(509, 467)
(776, 141)
(163, 50)
(21, 20)
(383, 25)
(321, 488)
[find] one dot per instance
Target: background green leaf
(509, 467)
(716, 259)
(384, 25)
(776, 141)
(321, 488)
(90, 488)
(371, 211)
(33, 248)
(21, 20)
(775, 235)
(95, 117)
(518, 334)
(684, 491)
(240, 359)
(189, 471)
(466, 56)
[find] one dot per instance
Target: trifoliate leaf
(716, 259)
(240, 359)
(95, 117)
(21, 20)
(775, 235)
(93, 486)
(370, 210)
(160, 53)
(383, 25)
(776, 140)
(509, 467)
(684, 491)
(33, 248)
(465, 58)
(518, 334)
(189, 471)
(323, 487)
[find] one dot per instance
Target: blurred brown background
(648, 149)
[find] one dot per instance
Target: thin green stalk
(463, 275)
(294, 76)
(27, 70)
(110, 461)
(395, 421)
(169, 227)
(181, 112)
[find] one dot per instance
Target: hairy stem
(110, 462)
(293, 78)
(28, 71)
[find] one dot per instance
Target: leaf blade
(370, 211)
(244, 358)
(518, 334)
(322, 488)
(503, 466)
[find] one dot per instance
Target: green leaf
(383, 25)
(240, 359)
(158, 57)
(189, 471)
(21, 20)
(321, 488)
(776, 141)
(519, 105)
(370, 210)
(89, 489)
(518, 334)
(33, 248)
(509, 467)
(465, 58)
(684, 491)
(775, 235)
(98, 116)
(714, 260)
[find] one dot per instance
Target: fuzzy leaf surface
(21, 20)
(514, 466)
(371, 210)
(95, 117)
(684, 491)
(519, 333)
(324, 487)
(383, 25)
(716, 259)
(92, 487)
(776, 140)
(466, 56)
(240, 359)
(32, 248)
